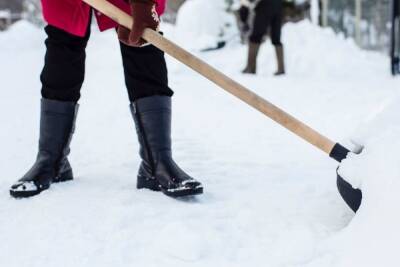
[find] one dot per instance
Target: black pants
(64, 69)
(267, 17)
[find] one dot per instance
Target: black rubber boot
(158, 170)
(57, 123)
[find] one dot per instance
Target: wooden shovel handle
(226, 83)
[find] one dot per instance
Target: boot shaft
(152, 116)
(57, 125)
(252, 55)
(280, 59)
(158, 170)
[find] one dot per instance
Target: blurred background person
(259, 18)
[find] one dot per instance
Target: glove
(244, 14)
(144, 16)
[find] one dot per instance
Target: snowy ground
(270, 198)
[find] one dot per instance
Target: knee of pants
(351, 196)
(63, 72)
(276, 37)
(145, 72)
(276, 42)
(257, 39)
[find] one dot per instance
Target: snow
(5, 14)
(270, 199)
(200, 30)
(377, 172)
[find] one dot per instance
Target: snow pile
(200, 22)
(373, 236)
(20, 34)
(322, 53)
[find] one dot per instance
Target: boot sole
(182, 192)
(152, 184)
(145, 183)
(25, 194)
(68, 176)
(65, 177)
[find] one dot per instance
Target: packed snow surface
(270, 198)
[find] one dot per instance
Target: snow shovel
(220, 44)
(333, 149)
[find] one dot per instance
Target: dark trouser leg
(259, 23)
(276, 29)
(258, 29)
(63, 73)
(145, 72)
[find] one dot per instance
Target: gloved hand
(244, 14)
(144, 16)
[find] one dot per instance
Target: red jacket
(73, 15)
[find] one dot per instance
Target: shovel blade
(351, 196)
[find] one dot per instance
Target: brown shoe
(280, 60)
(251, 67)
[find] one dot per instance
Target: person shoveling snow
(149, 93)
(159, 172)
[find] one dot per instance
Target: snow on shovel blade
(351, 196)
